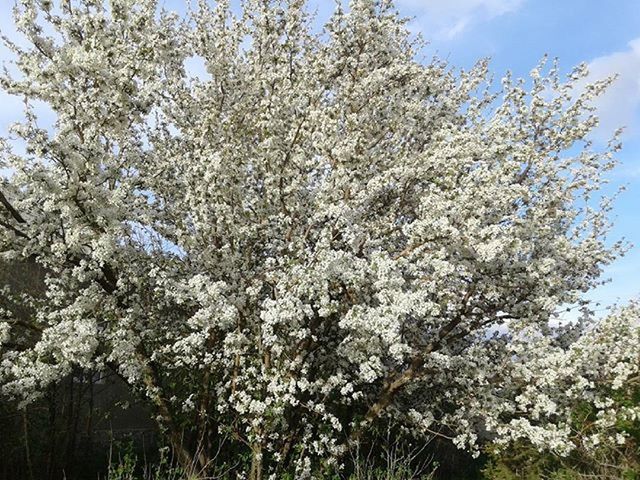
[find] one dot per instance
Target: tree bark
(27, 449)
(256, 463)
(184, 457)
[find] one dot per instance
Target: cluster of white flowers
(321, 233)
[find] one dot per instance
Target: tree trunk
(27, 449)
(256, 463)
(166, 421)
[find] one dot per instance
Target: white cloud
(446, 19)
(620, 105)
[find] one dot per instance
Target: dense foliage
(320, 236)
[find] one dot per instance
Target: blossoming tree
(320, 234)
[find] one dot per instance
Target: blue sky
(515, 34)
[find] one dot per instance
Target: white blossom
(320, 233)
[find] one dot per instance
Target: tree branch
(18, 232)
(14, 213)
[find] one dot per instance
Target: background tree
(323, 234)
(604, 421)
